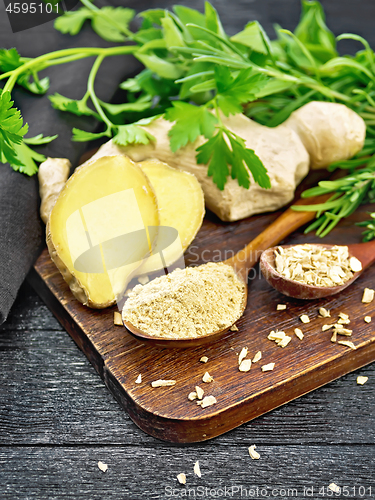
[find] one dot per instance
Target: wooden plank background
(57, 419)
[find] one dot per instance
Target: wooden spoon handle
(284, 225)
(365, 252)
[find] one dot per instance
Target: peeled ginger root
(98, 231)
(181, 211)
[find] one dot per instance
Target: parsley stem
(86, 97)
(217, 111)
(91, 91)
(57, 57)
(64, 60)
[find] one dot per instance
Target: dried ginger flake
(117, 319)
(197, 469)
(254, 454)
(257, 356)
(199, 392)
(163, 383)
(299, 333)
(368, 295)
(207, 401)
(268, 368)
(245, 365)
(102, 466)
(207, 378)
(181, 478)
(361, 380)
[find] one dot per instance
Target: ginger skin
(53, 174)
(314, 136)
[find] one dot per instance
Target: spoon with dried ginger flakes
(242, 262)
(362, 252)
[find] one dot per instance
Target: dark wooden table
(57, 419)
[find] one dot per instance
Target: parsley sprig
(14, 146)
(197, 76)
(224, 151)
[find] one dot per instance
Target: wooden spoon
(364, 252)
(242, 262)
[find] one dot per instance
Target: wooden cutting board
(302, 366)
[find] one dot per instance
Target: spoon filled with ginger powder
(187, 303)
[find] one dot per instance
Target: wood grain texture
(301, 367)
(51, 395)
(133, 475)
(57, 419)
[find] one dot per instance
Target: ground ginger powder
(187, 303)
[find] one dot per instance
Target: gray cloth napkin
(21, 231)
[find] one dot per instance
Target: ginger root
(100, 236)
(316, 134)
(330, 132)
(52, 175)
(98, 230)
(181, 211)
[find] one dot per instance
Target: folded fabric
(21, 232)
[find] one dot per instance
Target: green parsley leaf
(172, 35)
(72, 21)
(35, 85)
(26, 158)
(217, 153)
(189, 16)
(251, 37)
(143, 36)
(132, 134)
(219, 156)
(154, 16)
(9, 60)
(108, 21)
(233, 92)
(39, 139)
(213, 22)
(190, 122)
(77, 107)
(83, 136)
(242, 155)
(131, 84)
(156, 86)
(161, 67)
(12, 130)
(140, 104)
(313, 32)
